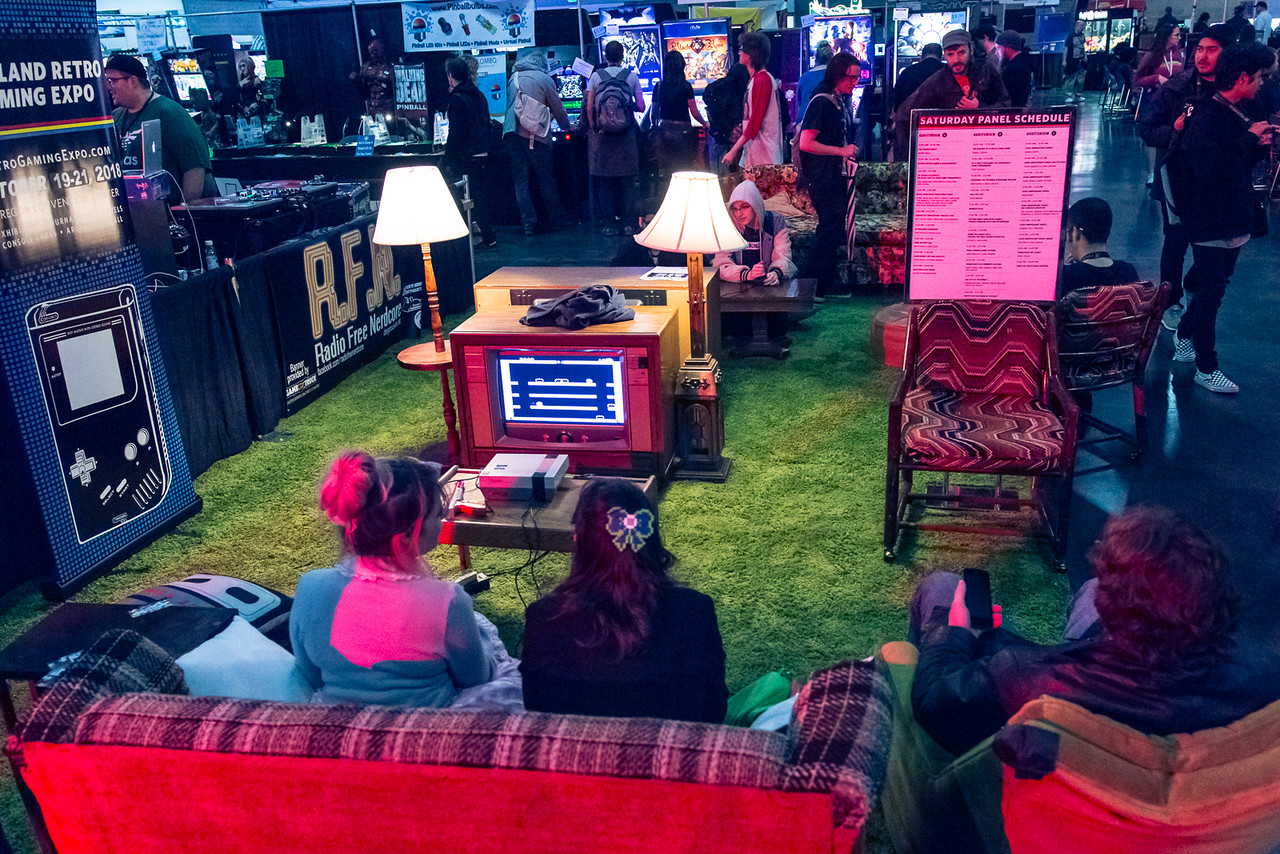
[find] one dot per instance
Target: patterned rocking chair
(1105, 336)
(981, 395)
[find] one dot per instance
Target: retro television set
(847, 34)
(705, 45)
(603, 395)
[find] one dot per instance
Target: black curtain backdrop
(195, 323)
(318, 48)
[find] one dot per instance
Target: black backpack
(723, 110)
(614, 107)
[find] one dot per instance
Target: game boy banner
(467, 25)
(96, 467)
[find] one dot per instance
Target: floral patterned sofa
(880, 217)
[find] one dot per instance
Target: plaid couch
(121, 759)
(880, 217)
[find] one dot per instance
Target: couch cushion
(120, 661)
(990, 432)
(618, 747)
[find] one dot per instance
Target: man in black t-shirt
(822, 154)
(1087, 262)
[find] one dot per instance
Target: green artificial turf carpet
(789, 548)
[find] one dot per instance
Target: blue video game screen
(547, 388)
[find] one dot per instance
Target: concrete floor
(1212, 457)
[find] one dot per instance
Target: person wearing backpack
(823, 151)
(532, 101)
(613, 148)
(762, 120)
(723, 99)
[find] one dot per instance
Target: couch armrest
(841, 731)
(120, 662)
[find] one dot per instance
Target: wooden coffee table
(793, 297)
(524, 525)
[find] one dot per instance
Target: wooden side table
(425, 357)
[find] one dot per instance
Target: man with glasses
(184, 151)
(823, 151)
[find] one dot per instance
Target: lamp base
(700, 422)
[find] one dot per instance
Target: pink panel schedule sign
(988, 191)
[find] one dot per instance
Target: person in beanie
(960, 86)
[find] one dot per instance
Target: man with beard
(962, 85)
(1016, 69)
(1161, 119)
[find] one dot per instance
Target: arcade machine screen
(640, 51)
(572, 89)
(847, 34)
(184, 83)
(705, 45)
(922, 28)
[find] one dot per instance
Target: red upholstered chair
(1105, 336)
(981, 396)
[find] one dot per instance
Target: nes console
(524, 477)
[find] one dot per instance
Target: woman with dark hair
(379, 627)
(618, 637)
(824, 148)
(762, 120)
(674, 108)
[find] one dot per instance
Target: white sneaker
(1172, 316)
(1183, 349)
(1216, 382)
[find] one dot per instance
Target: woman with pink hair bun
(380, 627)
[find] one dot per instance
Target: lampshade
(693, 218)
(417, 208)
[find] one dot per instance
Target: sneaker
(1183, 349)
(1216, 382)
(491, 244)
(1172, 316)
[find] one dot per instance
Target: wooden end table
(425, 357)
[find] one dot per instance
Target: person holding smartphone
(1149, 642)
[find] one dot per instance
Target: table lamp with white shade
(693, 219)
(417, 208)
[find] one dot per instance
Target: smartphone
(977, 598)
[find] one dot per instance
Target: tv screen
(705, 45)
(546, 387)
(847, 34)
(184, 83)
